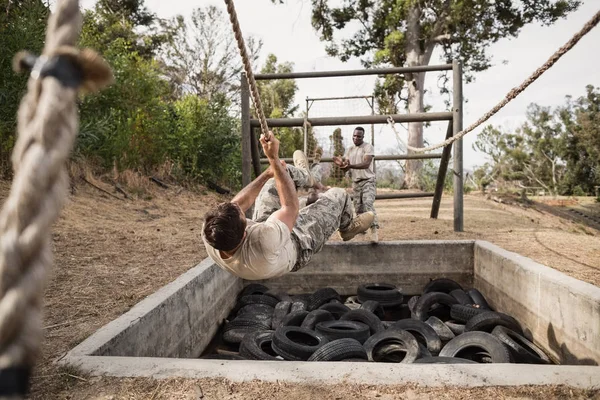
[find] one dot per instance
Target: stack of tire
(446, 324)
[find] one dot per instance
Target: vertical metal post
(441, 178)
(457, 126)
(306, 130)
(372, 104)
(246, 133)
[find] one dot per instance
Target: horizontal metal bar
(354, 120)
(339, 98)
(377, 158)
(402, 195)
(354, 72)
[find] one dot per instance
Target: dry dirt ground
(110, 253)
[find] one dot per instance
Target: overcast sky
(286, 32)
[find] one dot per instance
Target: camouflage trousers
(317, 173)
(316, 222)
(364, 197)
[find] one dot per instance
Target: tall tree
(406, 33)
(581, 151)
(202, 56)
(338, 149)
(22, 27)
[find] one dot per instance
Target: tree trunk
(418, 52)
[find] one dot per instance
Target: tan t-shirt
(356, 155)
(267, 251)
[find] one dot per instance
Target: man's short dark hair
(360, 128)
(224, 227)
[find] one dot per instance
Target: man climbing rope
(280, 237)
(359, 161)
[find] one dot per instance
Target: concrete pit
(163, 335)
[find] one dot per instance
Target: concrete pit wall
(161, 336)
(561, 313)
(409, 265)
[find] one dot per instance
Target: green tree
(581, 142)
(406, 32)
(277, 97)
(22, 27)
(337, 143)
(202, 56)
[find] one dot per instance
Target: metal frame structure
(370, 101)
(251, 156)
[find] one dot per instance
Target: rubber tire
(411, 303)
(334, 330)
(339, 350)
(280, 296)
(253, 288)
(394, 337)
(253, 309)
(234, 331)
(385, 294)
(294, 318)
(295, 350)
(298, 305)
(253, 346)
(281, 310)
(441, 329)
(366, 317)
(522, 350)
(256, 299)
(478, 299)
(444, 360)
(488, 320)
(424, 333)
(462, 297)
(222, 357)
(462, 313)
(336, 309)
(482, 340)
(427, 300)
(455, 327)
(322, 296)
(374, 307)
(443, 285)
(316, 316)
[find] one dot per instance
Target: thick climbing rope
(47, 126)
(237, 31)
(512, 93)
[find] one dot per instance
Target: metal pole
(439, 186)
(372, 104)
(403, 195)
(354, 72)
(356, 120)
(306, 130)
(457, 109)
(392, 157)
(246, 131)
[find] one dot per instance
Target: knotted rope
(514, 92)
(47, 126)
(237, 31)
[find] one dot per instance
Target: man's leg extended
(318, 221)
(268, 201)
(368, 193)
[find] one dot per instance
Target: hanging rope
(237, 31)
(47, 126)
(513, 92)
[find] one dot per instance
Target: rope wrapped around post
(237, 31)
(47, 127)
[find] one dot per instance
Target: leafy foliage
(557, 150)
(22, 27)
